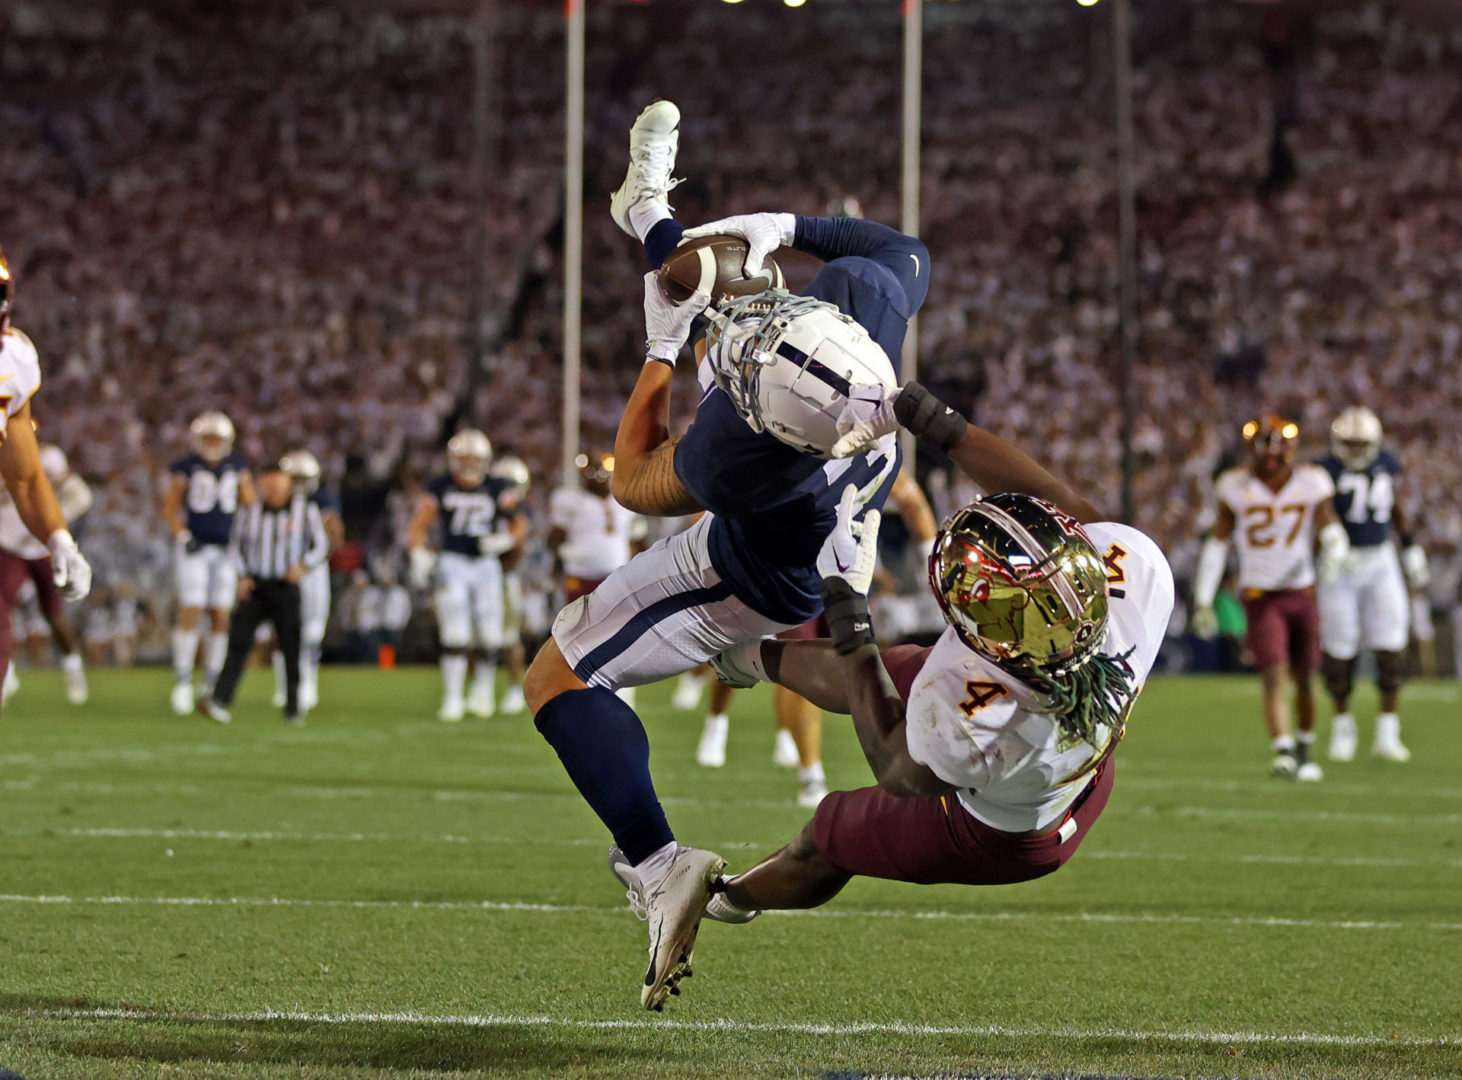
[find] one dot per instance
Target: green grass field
(382, 895)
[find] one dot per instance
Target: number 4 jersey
(986, 733)
(211, 496)
(1274, 531)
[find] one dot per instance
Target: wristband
(847, 615)
(919, 411)
(668, 361)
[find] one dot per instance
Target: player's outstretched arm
(30, 488)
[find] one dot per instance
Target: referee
(275, 541)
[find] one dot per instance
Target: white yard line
(836, 913)
(895, 1027)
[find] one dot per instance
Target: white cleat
(1342, 739)
(711, 751)
(653, 141)
(1391, 750)
(182, 699)
(513, 701)
(76, 688)
(1309, 773)
(309, 698)
(450, 714)
(672, 909)
(717, 907)
(279, 698)
(811, 793)
(480, 703)
(687, 693)
(213, 710)
(1284, 766)
(784, 754)
(12, 683)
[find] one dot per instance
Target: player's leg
(1268, 641)
(711, 750)
(514, 656)
(53, 609)
(314, 618)
(1385, 615)
(284, 611)
(1302, 619)
(803, 719)
(641, 204)
(798, 876)
(454, 627)
(487, 624)
(11, 576)
(243, 624)
(223, 590)
(1340, 623)
(192, 582)
(688, 687)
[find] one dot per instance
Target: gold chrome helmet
(7, 290)
(1021, 583)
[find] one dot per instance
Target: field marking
(1354, 817)
(962, 916)
(835, 1028)
(266, 836)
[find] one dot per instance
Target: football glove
(1414, 565)
(1334, 557)
(667, 324)
(496, 543)
(1204, 623)
(423, 562)
(740, 666)
(71, 571)
(763, 233)
(846, 563)
(865, 419)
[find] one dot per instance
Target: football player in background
(303, 470)
(480, 522)
(1277, 514)
(515, 471)
(21, 468)
(590, 534)
(993, 749)
(208, 488)
(23, 557)
(1366, 605)
(755, 457)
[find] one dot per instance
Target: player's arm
(334, 529)
(913, 507)
(421, 561)
(172, 505)
(1332, 543)
(30, 489)
(645, 480)
(248, 496)
(1414, 562)
(1212, 559)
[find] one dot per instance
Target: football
(717, 265)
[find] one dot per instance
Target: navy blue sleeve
(836, 238)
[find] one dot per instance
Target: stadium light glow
(1087, 3)
(730, 1)
(794, 3)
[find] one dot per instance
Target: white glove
(72, 573)
(1414, 565)
(423, 562)
(740, 666)
(1204, 623)
(850, 551)
(866, 418)
(667, 324)
(1334, 557)
(496, 543)
(763, 233)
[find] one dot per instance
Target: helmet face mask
(787, 364)
(468, 456)
(213, 436)
(1273, 442)
(303, 469)
(1355, 437)
(1021, 584)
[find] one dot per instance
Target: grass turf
(382, 895)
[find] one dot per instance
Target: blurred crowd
(269, 210)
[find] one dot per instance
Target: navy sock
(663, 239)
(603, 747)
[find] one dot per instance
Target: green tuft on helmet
(1022, 584)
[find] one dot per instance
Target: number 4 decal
(980, 695)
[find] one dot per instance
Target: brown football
(717, 265)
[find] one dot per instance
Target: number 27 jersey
(211, 497)
(1274, 531)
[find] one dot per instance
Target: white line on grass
(895, 1027)
(231, 835)
(970, 916)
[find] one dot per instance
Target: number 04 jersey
(980, 729)
(1274, 531)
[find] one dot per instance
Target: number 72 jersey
(1274, 531)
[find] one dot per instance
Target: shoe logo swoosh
(916, 263)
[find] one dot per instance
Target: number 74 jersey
(1274, 531)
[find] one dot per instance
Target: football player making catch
(20, 466)
(993, 749)
(776, 370)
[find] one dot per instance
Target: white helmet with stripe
(469, 454)
(213, 436)
(1355, 437)
(787, 363)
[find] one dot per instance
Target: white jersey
(14, 536)
(598, 532)
(984, 732)
(20, 375)
(1274, 531)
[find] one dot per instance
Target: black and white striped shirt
(268, 541)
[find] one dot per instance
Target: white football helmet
(513, 470)
(469, 454)
(1355, 437)
(303, 468)
(787, 363)
(213, 436)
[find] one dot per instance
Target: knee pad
(1339, 676)
(1390, 671)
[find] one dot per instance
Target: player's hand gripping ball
(715, 265)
